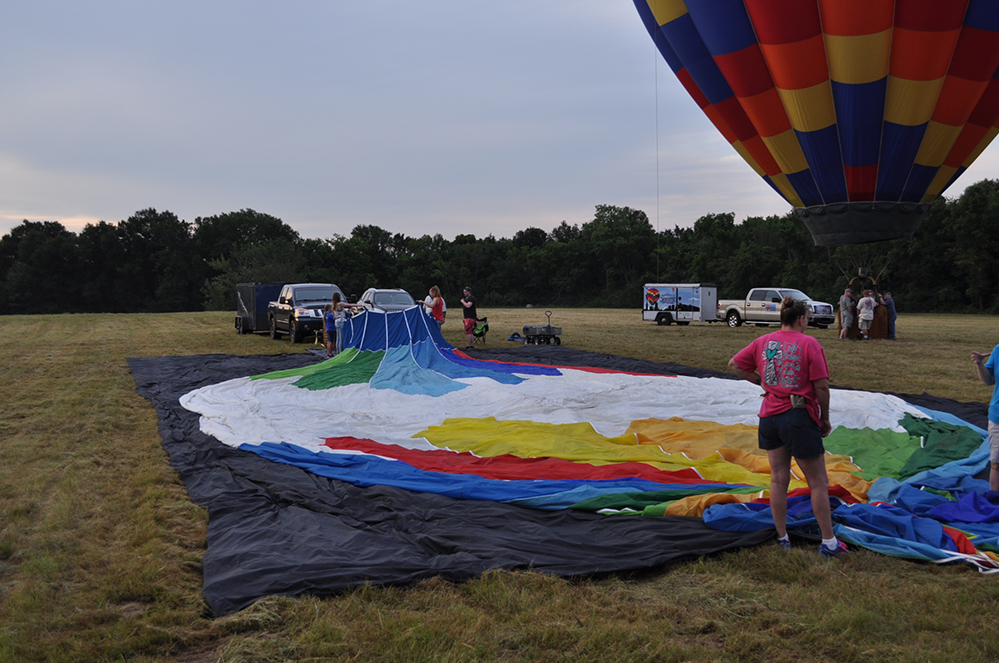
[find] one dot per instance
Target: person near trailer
(471, 317)
(986, 363)
(847, 306)
(791, 368)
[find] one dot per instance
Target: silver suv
(386, 300)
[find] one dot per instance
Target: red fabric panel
(746, 71)
(930, 15)
(861, 181)
(798, 65)
(783, 21)
(976, 56)
(509, 467)
(856, 17)
(758, 149)
(963, 543)
(987, 110)
(971, 136)
(834, 491)
(921, 56)
(957, 99)
(731, 111)
(767, 113)
(719, 122)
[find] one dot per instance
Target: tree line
(156, 262)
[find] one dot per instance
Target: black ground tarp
(277, 529)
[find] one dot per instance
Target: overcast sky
(437, 116)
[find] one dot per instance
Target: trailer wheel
(239, 325)
(733, 319)
(664, 319)
(558, 341)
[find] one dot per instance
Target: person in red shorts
(471, 317)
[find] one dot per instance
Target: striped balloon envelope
(859, 113)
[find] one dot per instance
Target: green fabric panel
(355, 372)
(942, 443)
(878, 453)
(653, 498)
(341, 358)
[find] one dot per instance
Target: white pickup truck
(762, 307)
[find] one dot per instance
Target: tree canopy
(154, 261)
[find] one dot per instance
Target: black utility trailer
(251, 305)
(543, 334)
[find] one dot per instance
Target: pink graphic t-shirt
(787, 363)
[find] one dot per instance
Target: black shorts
(793, 429)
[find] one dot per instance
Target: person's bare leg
(818, 483)
(780, 477)
(994, 477)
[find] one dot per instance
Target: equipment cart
(543, 334)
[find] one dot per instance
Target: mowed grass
(100, 547)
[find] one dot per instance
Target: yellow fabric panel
(858, 59)
(784, 186)
(676, 435)
(575, 442)
(667, 10)
(787, 151)
(696, 504)
(940, 180)
(744, 153)
(911, 102)
(809, 108)
(937, 141)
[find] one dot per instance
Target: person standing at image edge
(987, 374)
(794, 417)
(470, 317)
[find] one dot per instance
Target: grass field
(100, 547)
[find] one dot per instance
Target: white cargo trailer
(681, 303)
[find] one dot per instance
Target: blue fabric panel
(723, 25)
(916, 501)
(430, 357)
(919, 181)
(983, 15)
(821, 150)
(970, 508)
(887, 545)
(365, 470)
(687, 44)
(398, 329)
(860, 111)
(400, 372)
(804, 186)
(754, 516)
(892, 521)
(899, 146)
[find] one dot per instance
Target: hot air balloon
(859, 113)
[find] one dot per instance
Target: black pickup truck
(299, 309)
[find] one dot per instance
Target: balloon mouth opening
(860, 223)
